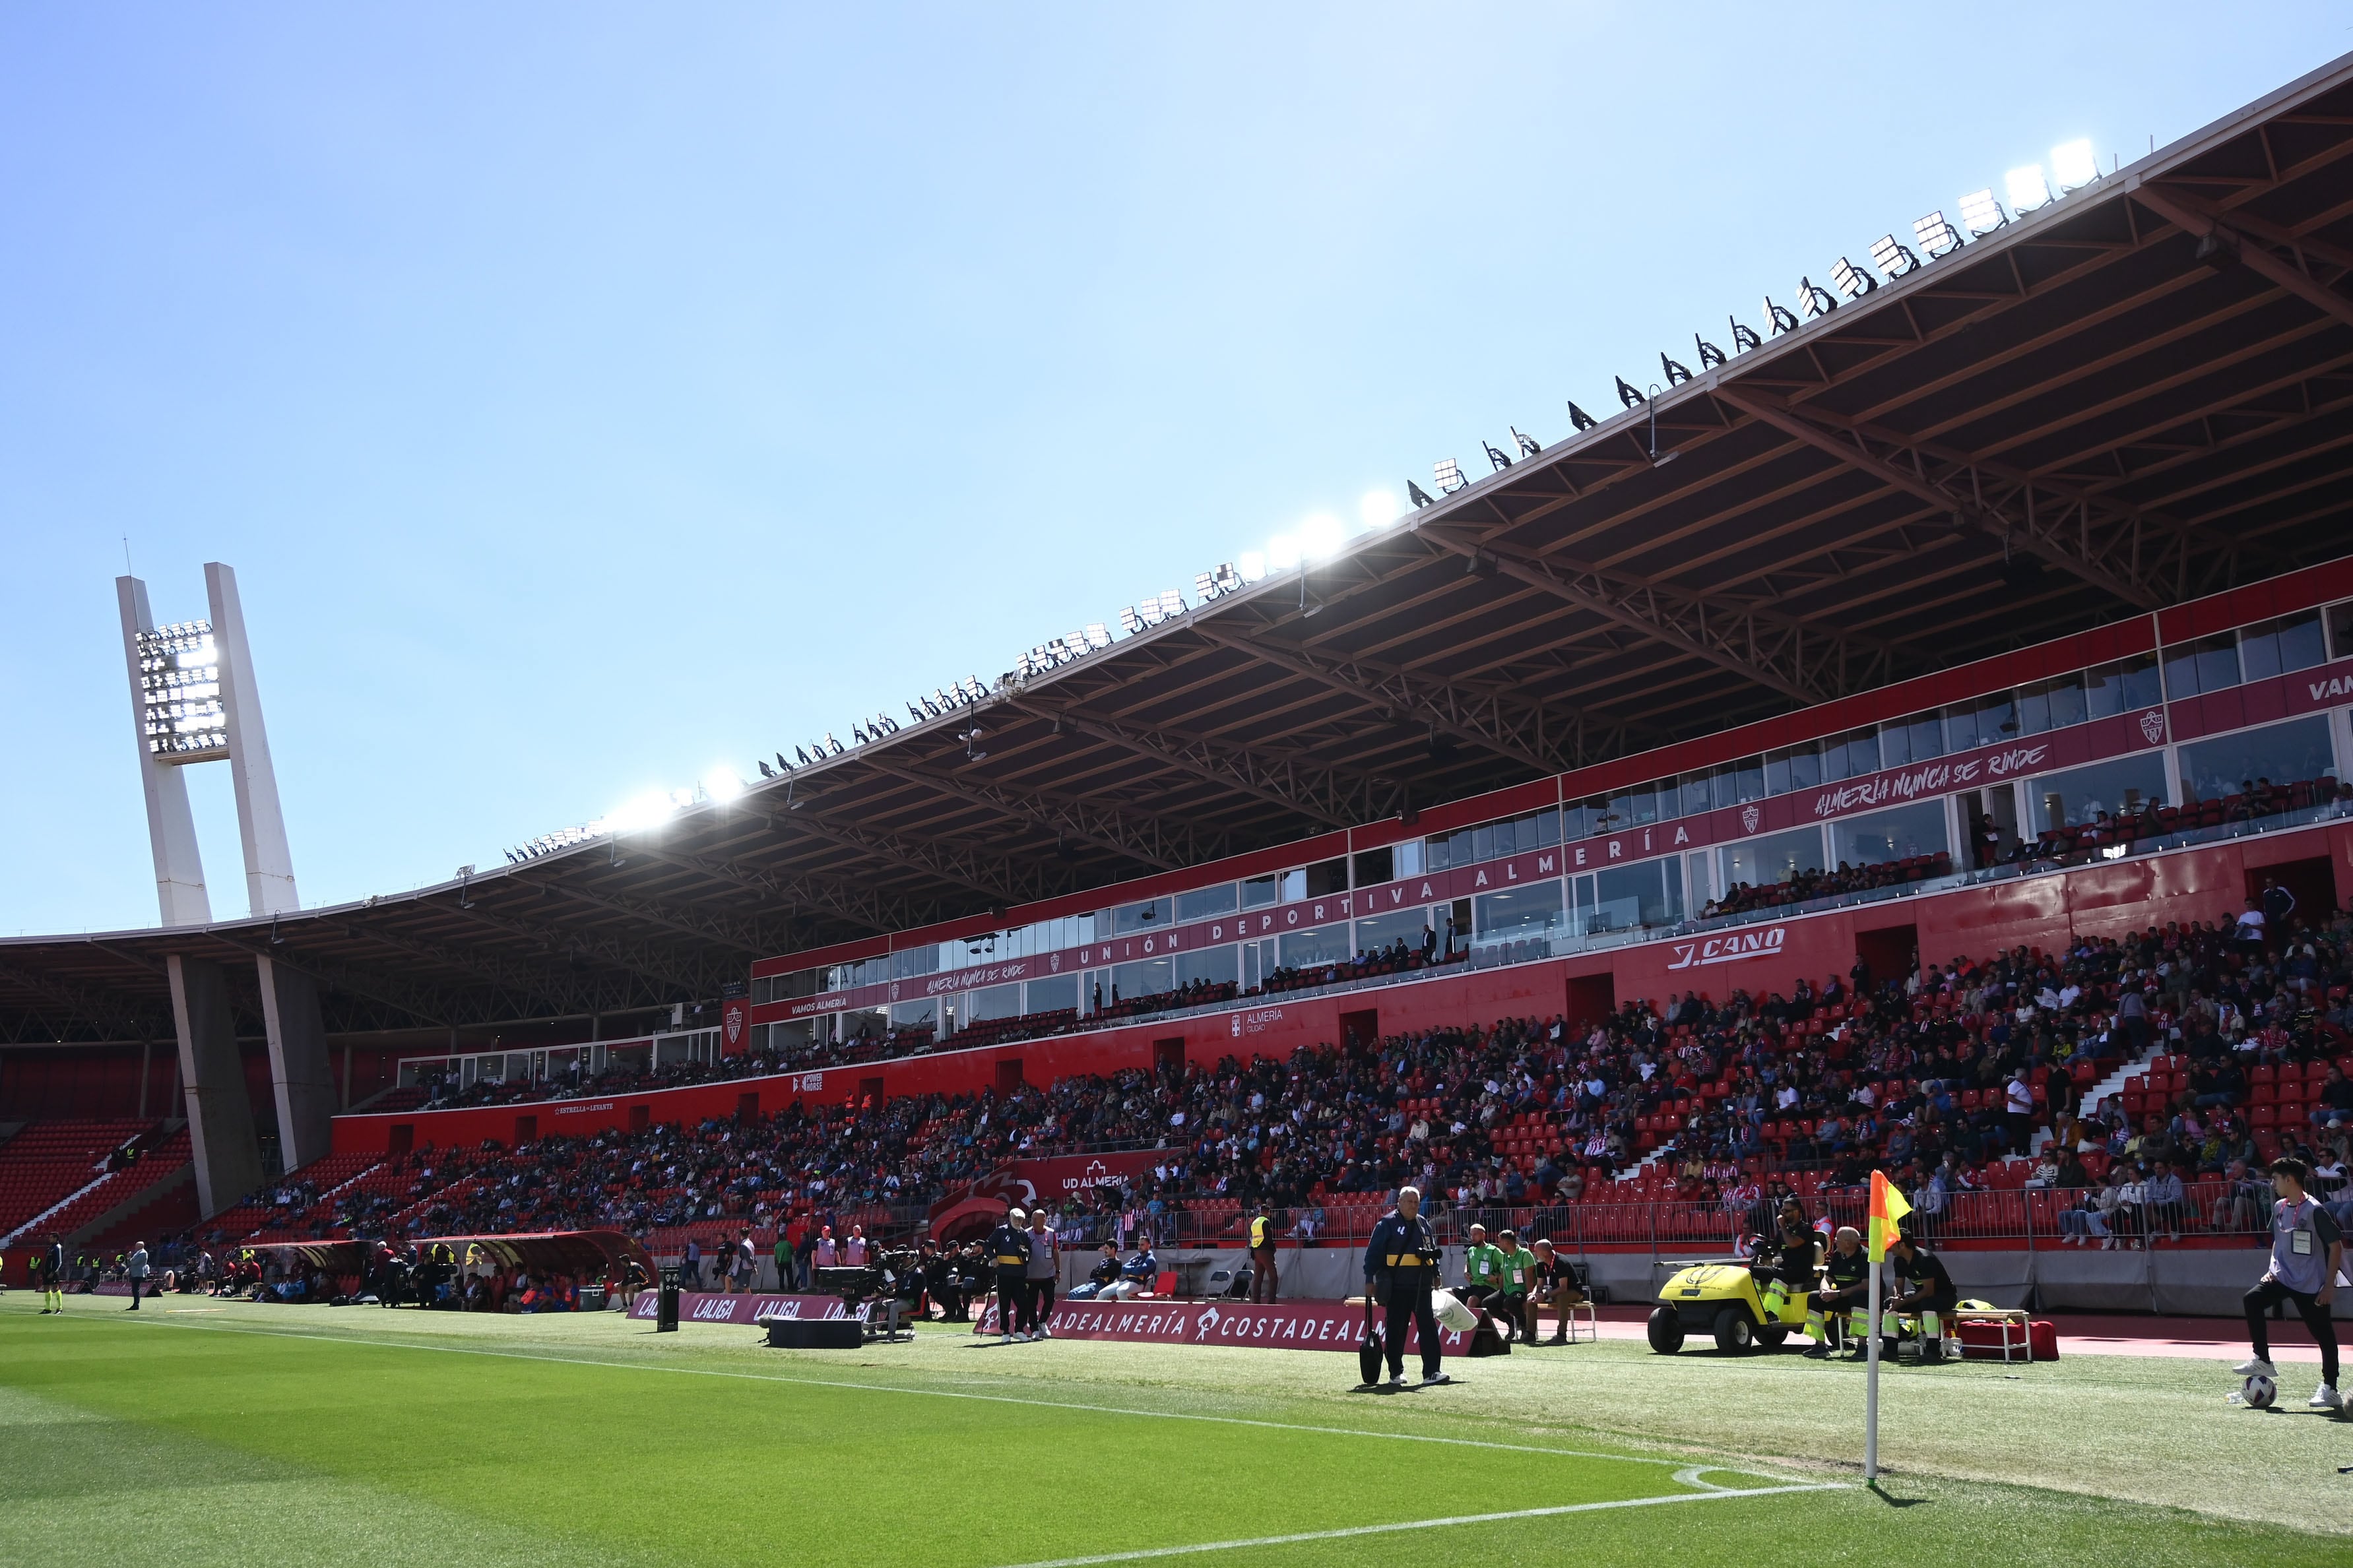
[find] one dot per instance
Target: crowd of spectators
(1935, 1077)
(1805, 886)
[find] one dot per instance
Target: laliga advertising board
(700, 1306)
(1285, 1325)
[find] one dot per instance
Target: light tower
(194, 698)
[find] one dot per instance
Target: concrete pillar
(268, 864)
(220, 1116)
(171, 826)
(301, 1075)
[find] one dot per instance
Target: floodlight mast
(194, 699)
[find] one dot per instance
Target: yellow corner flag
(1887, 1208)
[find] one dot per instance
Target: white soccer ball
(2258, 1392)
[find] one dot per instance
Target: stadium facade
(2038, 529)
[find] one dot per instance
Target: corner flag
(1887, 1210)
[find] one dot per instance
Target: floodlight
(1980, 214)
(1449, 474)
(1282, 551)
(1852, 280)
(2074, 165)
(787, 767)
(1937, 236)
(1420, 497)
(1379, 509)
(2028, 189)
(1252, 564)
(1130, 622)
(1814, 300)
(1578, 418)
(1076, 642)
(833, 746)
(722, 784)
(1172, 603)
(1710, 356)
(1677, 374)
(941, 699)
(1204, 586)
(1627, 395)
(1497, 459)
(804, 756)
(1322, 534)
(1891, 258)
(1098, 635)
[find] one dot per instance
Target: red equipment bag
(2043, 1335)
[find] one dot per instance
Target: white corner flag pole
(1870, 1386)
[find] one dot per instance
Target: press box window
(2295, 752)
(2078, 795)
(2276, 648)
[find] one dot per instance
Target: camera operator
(1401, 1267)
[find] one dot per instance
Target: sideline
(1783, 1483)
(1713, 1496)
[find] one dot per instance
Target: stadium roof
(2137, 394)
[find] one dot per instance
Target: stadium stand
(2241, 1050)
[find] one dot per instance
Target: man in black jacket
(1401, 1267)
(1008, 1250)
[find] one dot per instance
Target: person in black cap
(1401, 1267)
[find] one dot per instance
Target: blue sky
(590, 395)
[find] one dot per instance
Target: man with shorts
(2307, 1251)
(50, 1267)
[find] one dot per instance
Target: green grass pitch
(248, 1435)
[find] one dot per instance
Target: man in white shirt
(2018, 1105)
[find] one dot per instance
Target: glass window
(1793, 768)
(2051, 704)
(1260, 891)
(1055, 994)
(1925, 736)
(1896, 834)
(1538, 830)
(1204, 903)
(1518, 914)
(2079, 794)
(2293, 752)
(1647, 804)
(1209, 965)
(1595, 817)
(1962, 726)
(1328, 876)
(1857, 751)
(1692, 794)
(1152, 914)
(996, 1002)
(1775, 858)
(1145, 977)
(905, 1014)
(1293, 885)
(1377, 931)
(1624, 897)
(2202, 663)
(865, 1023)
(1410, 860)
(1375, 867)
(2340, 629)
(2124, 687)
(1894, 746)
(909, 962)
(1737, 784)
(2275, 648)
(1318, 945)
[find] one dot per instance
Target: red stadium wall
(2207, 883)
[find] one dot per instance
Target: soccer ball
(2258, 1392)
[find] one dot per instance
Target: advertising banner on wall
(702, 1307)
(1285, 1325)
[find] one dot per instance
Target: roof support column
(302, 1078)
(220, 1114)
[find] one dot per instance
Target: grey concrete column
(220, 1115)
(171, 826)
(268, 864)
(301, 1075)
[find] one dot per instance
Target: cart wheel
(1734, 1334)
(1772, 1339)
(1666, 1330)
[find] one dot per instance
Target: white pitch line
(1717, 1495)
(957, 1394)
